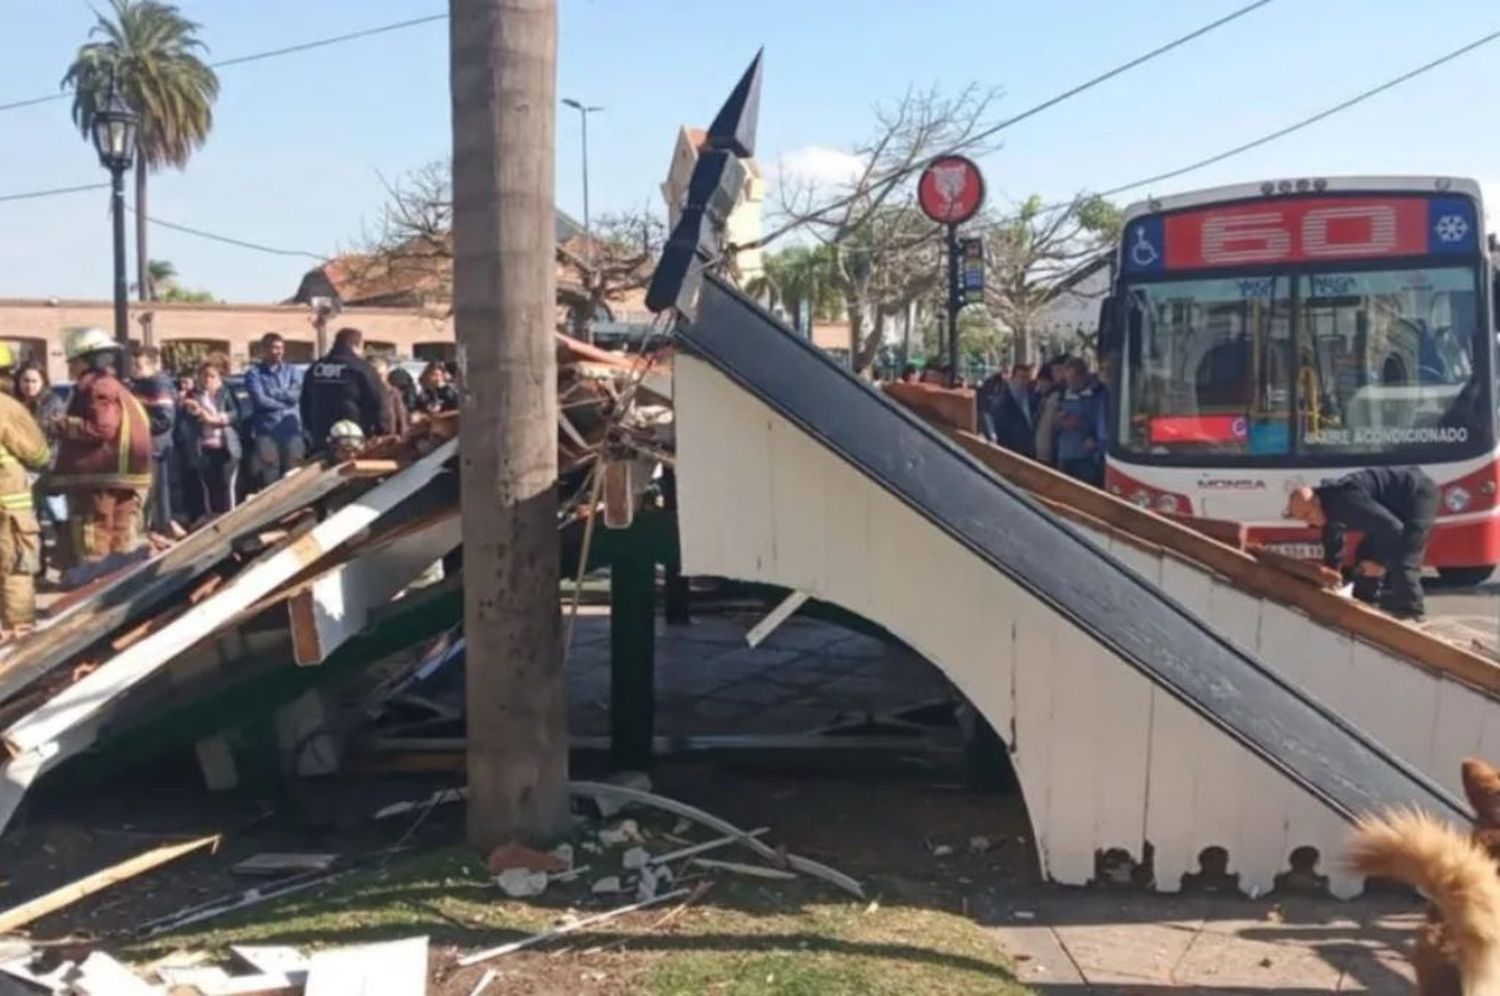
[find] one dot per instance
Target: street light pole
(117, 217)
(584, 110)
(114, 129)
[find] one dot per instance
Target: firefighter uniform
(23, 448)
(104, 458)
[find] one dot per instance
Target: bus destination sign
(1300, 230)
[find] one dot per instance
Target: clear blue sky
(300, 142)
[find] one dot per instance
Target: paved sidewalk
(807, 674)
(1069, 941)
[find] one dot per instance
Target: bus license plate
(1302, 551)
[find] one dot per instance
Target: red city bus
(1265, 336)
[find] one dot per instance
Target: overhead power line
(34, 194)
(1311, 119)
(898, 174)
(270, 54)
(228, 240)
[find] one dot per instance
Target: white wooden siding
(1105, 758)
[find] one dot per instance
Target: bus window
(1388, 359)
(1211, 370)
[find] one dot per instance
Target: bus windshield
(1317, 365)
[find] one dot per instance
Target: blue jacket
(274, 397)
(1091, 408)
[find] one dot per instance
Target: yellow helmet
(7, 356)
(81, 342)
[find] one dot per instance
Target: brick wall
(35, 325)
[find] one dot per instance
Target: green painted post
(632, 657)
(677, 609)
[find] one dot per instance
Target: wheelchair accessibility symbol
(1143, 254)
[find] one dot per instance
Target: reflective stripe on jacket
(106, 438)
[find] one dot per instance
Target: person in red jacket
(103, 460)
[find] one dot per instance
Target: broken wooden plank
(231, 904)
(750, 871)
(372, 468)
(142, 587)
(35, 909)
(805, 865)
(284, 862)
(101, 975)
(562, 930)
(269, 984)
(775, 618)
(337, 604)
(1303, 570)
(707, 845)
(271, 959)
(393, 968)
(1225, 531)
(84, 699)
(490, 975)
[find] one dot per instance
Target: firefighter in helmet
(23, 448)
(103, 459)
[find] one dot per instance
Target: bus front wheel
(1465, 577)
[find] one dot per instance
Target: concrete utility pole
(503, 82)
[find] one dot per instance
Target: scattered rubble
(519, 883)
(512, 855)
(607, 886)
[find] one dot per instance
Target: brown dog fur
(1460, 953)
(1437, 956)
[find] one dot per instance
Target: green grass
(743, 936)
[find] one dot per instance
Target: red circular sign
(950, 190)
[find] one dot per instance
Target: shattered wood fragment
(20, 916)
(752, 871)
(280, 863)
(805, 865)
(371, 468)
(266, 984)
(271, 959)
(567, 928)
(484, 982)
(393, 968)
(233, 903)
(101, 975)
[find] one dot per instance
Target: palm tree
(161, 275)
(151, 52)
(796, 276)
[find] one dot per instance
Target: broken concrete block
(607, 886)
(636, 857)
(520, 883)
(645, 889)
(622, 833)
(563, 853)
(610, 805)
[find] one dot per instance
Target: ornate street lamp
(114, 140)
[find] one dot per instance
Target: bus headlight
(1141, 498)
(1456, 499)
(1167, 503)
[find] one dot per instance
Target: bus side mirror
(1108, 343)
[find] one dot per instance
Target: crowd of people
(116, 462)
(1057, 413)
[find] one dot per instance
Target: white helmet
(81, 342)
(346, 433)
